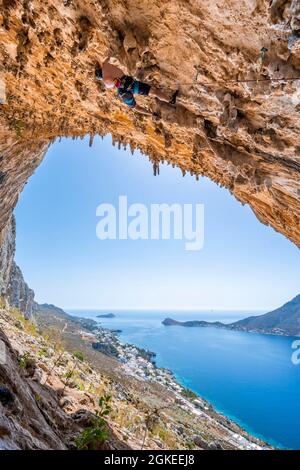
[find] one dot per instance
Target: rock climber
(127, 87)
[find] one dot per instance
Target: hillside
(283, 321)
(52, 380)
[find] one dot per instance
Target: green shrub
(187, 393)
(2, 302)
(25, 361)
(79, 355)
(190, 445)
(80, 386)
(92, 437)
(43, 352)
(69, 374)
(97, 434)
(23, 323)
(104, 406)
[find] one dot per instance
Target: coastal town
(140, 363)
(70, 369)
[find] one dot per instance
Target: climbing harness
(126, 82)
(125, 89)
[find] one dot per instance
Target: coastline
(209, 404)
(244, 395)
(189, 418)
(136, 365)
(234, 419)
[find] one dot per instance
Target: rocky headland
(284, 321)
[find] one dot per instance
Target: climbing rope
(252, 80)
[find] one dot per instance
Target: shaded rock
(200, 442)
(7, 252)
(214, 445)
(19, 294)
(65, 402)
(39, 375)
(83, 418)
(26, 427)
(6, 396)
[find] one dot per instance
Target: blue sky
(244, 265)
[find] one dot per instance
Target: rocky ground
(51, 380)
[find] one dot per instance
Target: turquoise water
(248, 377)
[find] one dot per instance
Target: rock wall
(19, 295)
(243, 136)
(13, 288)
(7, 252)
(24, 425)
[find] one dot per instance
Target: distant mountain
(282, 321)
(106, 315)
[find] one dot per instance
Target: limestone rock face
(12, 285)
(19, 294)
(7, 252)
(244, 136)
(23, 424)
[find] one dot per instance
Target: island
(191, 323)
(106, 315)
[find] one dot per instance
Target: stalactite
(91, 141)
(155, 168)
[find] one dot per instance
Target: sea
(248, 377)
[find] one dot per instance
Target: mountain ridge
(284, 321)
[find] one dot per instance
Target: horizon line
(162, 310)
